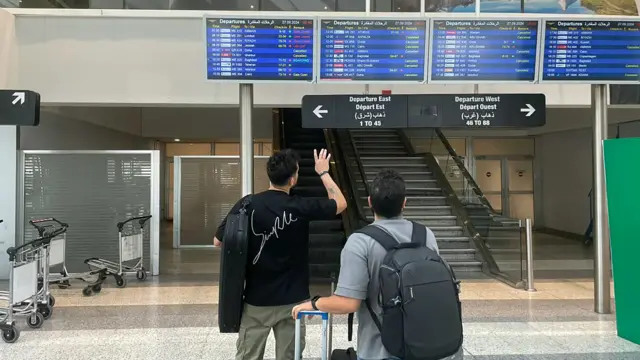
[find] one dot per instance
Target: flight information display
(254, 49)
(373, 50)
(592, 51)
(484, 50)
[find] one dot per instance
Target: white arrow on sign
(529, 110)
(18, 96)
(318, 111)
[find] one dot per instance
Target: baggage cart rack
(57, 258)
(130, 248)
(29, 265)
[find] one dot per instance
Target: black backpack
(419, 297)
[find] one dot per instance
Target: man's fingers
(328, 157)
(315, 154)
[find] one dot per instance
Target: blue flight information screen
(484, 50)
(259, 49)
(373, 50)
(599, 51)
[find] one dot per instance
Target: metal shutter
(91, 192)
(209, 187)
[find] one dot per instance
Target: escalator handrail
(283, 136)
(336, 165)
(458, 207)
(352, 177)
(465, 172)
(359, 162)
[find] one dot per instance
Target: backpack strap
(419, 234)
(381, 236)
(387, 241)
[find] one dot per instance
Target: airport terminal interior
(512, 208)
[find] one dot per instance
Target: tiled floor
(170, 319)
(174, 316)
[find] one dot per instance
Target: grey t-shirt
(360, 263)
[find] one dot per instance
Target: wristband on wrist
(323, 173)
(313, 302)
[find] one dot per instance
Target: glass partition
(502, 235)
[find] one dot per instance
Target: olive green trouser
(256, 324)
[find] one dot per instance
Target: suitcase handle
(323, 315)
(325, 324)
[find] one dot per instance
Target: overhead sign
(354, 111)
(477, 110)
(19, 107)
(260, 49)
(424, 111)
(476, 51)
(592, 51)
(390, 50)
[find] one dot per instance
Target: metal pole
(246, 138)
(602, 265)
(367, 10)
(423, 7)
(330, 321)
(477, 7)
(529, 237)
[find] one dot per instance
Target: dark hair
(281, 166)
(387, 194)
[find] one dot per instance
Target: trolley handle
(1, 221)
(42, 228)
(141, 220)
(45, 240)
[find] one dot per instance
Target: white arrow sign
(318, 111)
(529, 110)
(18, 96)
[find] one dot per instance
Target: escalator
(326, 238)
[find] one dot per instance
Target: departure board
(592, 51)
(259, 49)
(372, 50)
(484, 50)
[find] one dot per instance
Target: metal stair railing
(479, 239)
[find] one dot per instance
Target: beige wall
(157, 58)
(8, 50)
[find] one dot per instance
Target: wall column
(9, 143)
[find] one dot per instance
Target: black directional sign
(477, 110)
(19, 107)
(425, 111)
(354, 111)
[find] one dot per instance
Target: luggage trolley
(131, 247)
(57, 257)
(23, 297)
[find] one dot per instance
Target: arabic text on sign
(259, 49)
(592, 50)
(392, 50)
(475, 50)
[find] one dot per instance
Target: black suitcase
(233, 264)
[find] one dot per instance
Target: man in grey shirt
(360, 265)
